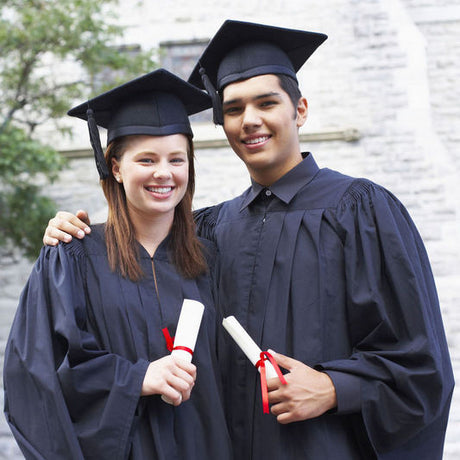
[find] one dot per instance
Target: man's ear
(301, 112)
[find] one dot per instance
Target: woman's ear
(302, 112)
(116, 170)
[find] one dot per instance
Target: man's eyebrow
(255, 98)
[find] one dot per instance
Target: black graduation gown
(78, 350)
(331, 271)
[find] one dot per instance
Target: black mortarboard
(242, 50)
(156, 104)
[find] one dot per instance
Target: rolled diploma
(247, 345)
(187, 330)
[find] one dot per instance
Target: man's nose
(251, 117)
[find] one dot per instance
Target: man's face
(261, 125)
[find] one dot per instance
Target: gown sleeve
(205, 220)
(64, 396)
(399, 374)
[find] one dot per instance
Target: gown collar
(162, 251)
(287, 187)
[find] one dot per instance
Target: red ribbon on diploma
(264, 355)
(170, 342)
(168, 338)
(180, 347)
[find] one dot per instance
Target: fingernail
(80, 233)
(272, 352)
(87, 230)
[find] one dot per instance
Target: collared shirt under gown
(330, 270)
(78, 351)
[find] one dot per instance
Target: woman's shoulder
(91, 244)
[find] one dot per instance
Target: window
(107, 77)
(180, 57)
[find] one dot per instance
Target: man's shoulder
(327, 189)
(343, 193)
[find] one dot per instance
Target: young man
(326, 269)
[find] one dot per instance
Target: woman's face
(154, 173)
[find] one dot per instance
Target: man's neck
(267, 177)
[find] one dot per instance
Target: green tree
(36, 38)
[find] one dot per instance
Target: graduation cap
(242, 50)
(156, 104)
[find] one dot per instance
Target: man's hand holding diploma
(308, 393)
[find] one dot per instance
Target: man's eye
(231, 110)
(268, 103)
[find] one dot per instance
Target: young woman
(87, 360)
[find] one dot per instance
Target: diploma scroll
(247, 345)
(187, 331)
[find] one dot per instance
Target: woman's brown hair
(186, 251)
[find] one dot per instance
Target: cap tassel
(97, 147)
(216, 103)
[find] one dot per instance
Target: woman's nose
(162, 172)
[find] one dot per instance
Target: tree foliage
(52, 53)
(23, 164)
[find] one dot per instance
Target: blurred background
(383, 95)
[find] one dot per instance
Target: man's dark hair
(291, 87)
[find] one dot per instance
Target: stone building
(383, 98)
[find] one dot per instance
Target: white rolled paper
(247, 344)
(187, 330)
(188, 327)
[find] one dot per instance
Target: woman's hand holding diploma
(182, 352)
(171, 377)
